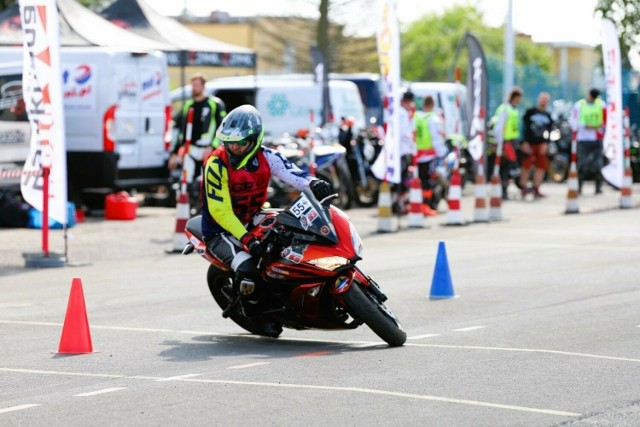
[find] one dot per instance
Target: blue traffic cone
(441, 286)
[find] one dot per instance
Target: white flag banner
(42, 91)
(614, 132)
(387, 166)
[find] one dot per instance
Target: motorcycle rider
(430, 150)
(234, 189)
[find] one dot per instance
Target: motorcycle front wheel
(362, 304)
(221, 288)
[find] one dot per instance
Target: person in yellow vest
(208, 112)
(430, 150)
(507, 130)
(588, 119)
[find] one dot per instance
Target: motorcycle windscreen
(310, 216)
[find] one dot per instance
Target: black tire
(558, 169)
(345, 190)
(367, 196)
(221, 288)
(364, 306)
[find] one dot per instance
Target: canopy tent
(189, 47)
(80, 26)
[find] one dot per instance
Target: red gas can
(120, 206)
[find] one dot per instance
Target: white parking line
(419, 337)
(250, 365)
(179, 377)
(470, 328)
(18, 408)
(93, 393)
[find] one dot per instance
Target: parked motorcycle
(362, 150)
(330, 165)
(308, 275)
(559, 151)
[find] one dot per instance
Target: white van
(444, 95)
(15, 130)
(284, 101)
(117, 117)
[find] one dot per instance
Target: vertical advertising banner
(477, 96)
(387, 166)
(613, 143)
(42, 91)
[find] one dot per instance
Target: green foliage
(625, 14)
(429, 45)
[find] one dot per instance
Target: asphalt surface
(544, 331)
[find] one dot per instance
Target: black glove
(252, 245)
(320, 188)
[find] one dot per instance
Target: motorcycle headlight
(369, 152)
(329, 263)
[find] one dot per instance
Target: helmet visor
(242, 142)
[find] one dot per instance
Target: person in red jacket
(236, 179)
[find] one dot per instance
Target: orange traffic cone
(183, 211)
(76, 337)
(573, 189)
(480, 213)
(626, 201)
(416, 214)
(454, 214)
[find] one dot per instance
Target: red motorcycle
(308, 276)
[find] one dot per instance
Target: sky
(544, 20)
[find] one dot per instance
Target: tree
(625, 15)
(429, 45)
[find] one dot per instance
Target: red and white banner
(614, 133)
(387, 166)
(42, 91)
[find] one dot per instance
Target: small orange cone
(76, 337)
(416, 213)
(573, 188)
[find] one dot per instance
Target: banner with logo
(477, 96)
(614, 132)
(42, 91)
(387, 166)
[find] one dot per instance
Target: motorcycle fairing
(307, 215)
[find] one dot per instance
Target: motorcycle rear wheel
(364, 306)
(221, 288)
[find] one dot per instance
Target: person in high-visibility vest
(430, 150)
(588, 119)
(507, 130)
(208, 112)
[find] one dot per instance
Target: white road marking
(18, 408)
(15, 304)
(419, 337)
(105, 390)
(325, 341)
(313, 387)
(470, 328)
(250, 365)
(178, 377)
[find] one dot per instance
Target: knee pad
(248, 268)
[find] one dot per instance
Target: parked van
(371, 90)
(15, 129)
(284, 101)
(117, 118)
(444, 95)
